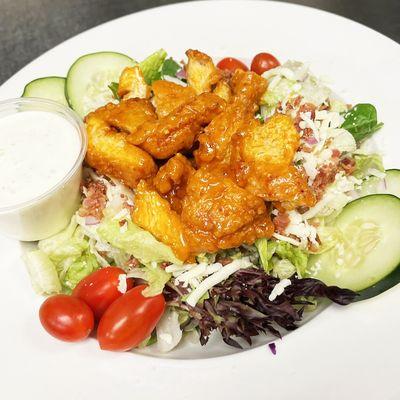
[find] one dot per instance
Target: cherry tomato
(66, 318)
(129, 320)
(263, 62)
(99, 289)
(231, 64)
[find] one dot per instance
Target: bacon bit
(324, 106)
(302, 209)
(95, 200)
(312, 247)
(305, 148)
(306, 107)
(336, 153)
(122, 222)
(281, 221)
(225, 261)
(348, 165)
(129, 206)
(165, 264)
(133, 262)
(103, 254)
(308, 133)
(325, 176)
(292, 104)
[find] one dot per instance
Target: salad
(214, 199)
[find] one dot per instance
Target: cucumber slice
(367, 250)
(89, 77)
(49, 87)
(392, 181)
(390, 184)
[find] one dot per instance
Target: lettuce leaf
(43, 273)
(367, 165)
(65, 247)
(79, 269)
(361, 121)
(154, 275)
(151, 66)
(69, 252)
(271, 251)
(136, 242)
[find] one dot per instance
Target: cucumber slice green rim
(393, 182)
(389, 185)
(88, 79)
(48, 87)
(366, 259)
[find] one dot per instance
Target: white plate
(349, 352)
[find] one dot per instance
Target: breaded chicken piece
(172, 178)
(270, 147)
(132, 84)
(216, 141)
(289, 188)
(154, 214)
(262, 162)
(201, 72)
(175, 132)
(218, 214)
(223, 90)
(110, 154)
(169, 96)
(127, 115)
(248, 86)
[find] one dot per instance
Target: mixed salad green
(348, 240)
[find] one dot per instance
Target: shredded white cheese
(217, 277)
(122, 285)
(286, 239)
(279, 288)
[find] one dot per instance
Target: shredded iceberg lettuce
(151, 66)
(69, 252)
(273, 251)
(154, 275)
(135, 241)
(43, 273)
(368, 165)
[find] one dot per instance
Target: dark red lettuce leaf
(239, 307)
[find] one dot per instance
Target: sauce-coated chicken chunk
(125, 116)
(218, 214)
(169, 96)
(201, 72)
(216, 141)
(171, 180)
(154, 214)
(132, 84)
(166, 136)
(110, 154)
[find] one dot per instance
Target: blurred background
(30, 27)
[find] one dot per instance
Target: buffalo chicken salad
(215, 198)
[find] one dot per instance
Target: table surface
(30, 27)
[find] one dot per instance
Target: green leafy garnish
(361, 121)
(113, 86)
(276, 255)
(151, 66)
(170, 67)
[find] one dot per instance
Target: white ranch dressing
(37, 150)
